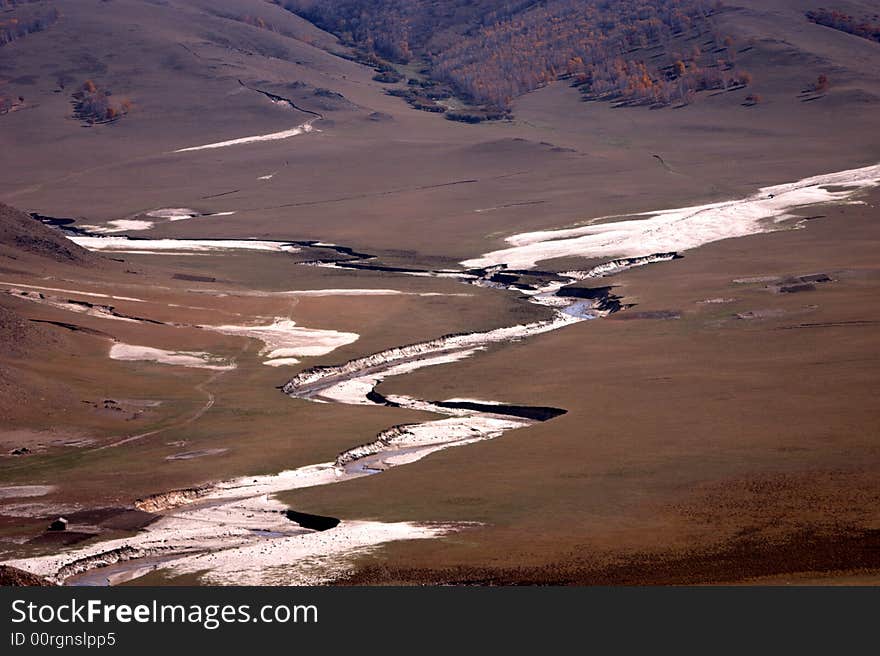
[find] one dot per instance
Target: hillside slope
(29, 248)
(22, 235)
(377, 173)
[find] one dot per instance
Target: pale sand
(170, 214)
(120, 225)
(676, 230)
(21, 491)
(242, 536)
(308, 559)
(281, 362)
(198, 359)
(284, 339)
(173, 213)
(126, 245)
(274, 136)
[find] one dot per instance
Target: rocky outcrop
(602, 298)
(621, 264)
(171, 499)
(101, 560)
(383, 441)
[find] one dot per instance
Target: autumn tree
(491, 52)
(93, 104)
(15, 27)
(867, 27)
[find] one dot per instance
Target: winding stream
(239, 534)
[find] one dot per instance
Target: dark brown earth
(19, 233)
(742, 560)
(27, 246)
(10, 576)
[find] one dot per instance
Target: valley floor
(701, 438)
(294, 302)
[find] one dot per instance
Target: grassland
(700, 449)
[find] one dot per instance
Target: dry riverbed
(180, 547)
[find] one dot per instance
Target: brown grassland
(700, 449)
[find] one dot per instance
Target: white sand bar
(281, 362)
(241, 536)
(308, 559)
(283, 339)
(173, 213)
(683, 228)
(240, 541)
(120, 225)
(201, 360)
(274, 136)
(20, 491)
(169, 214)
(126, 245)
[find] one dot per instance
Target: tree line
(867, 27)
(489, 52)
(16, 27)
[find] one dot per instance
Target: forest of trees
(867, 27)
(637, 51)
(16, 27)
